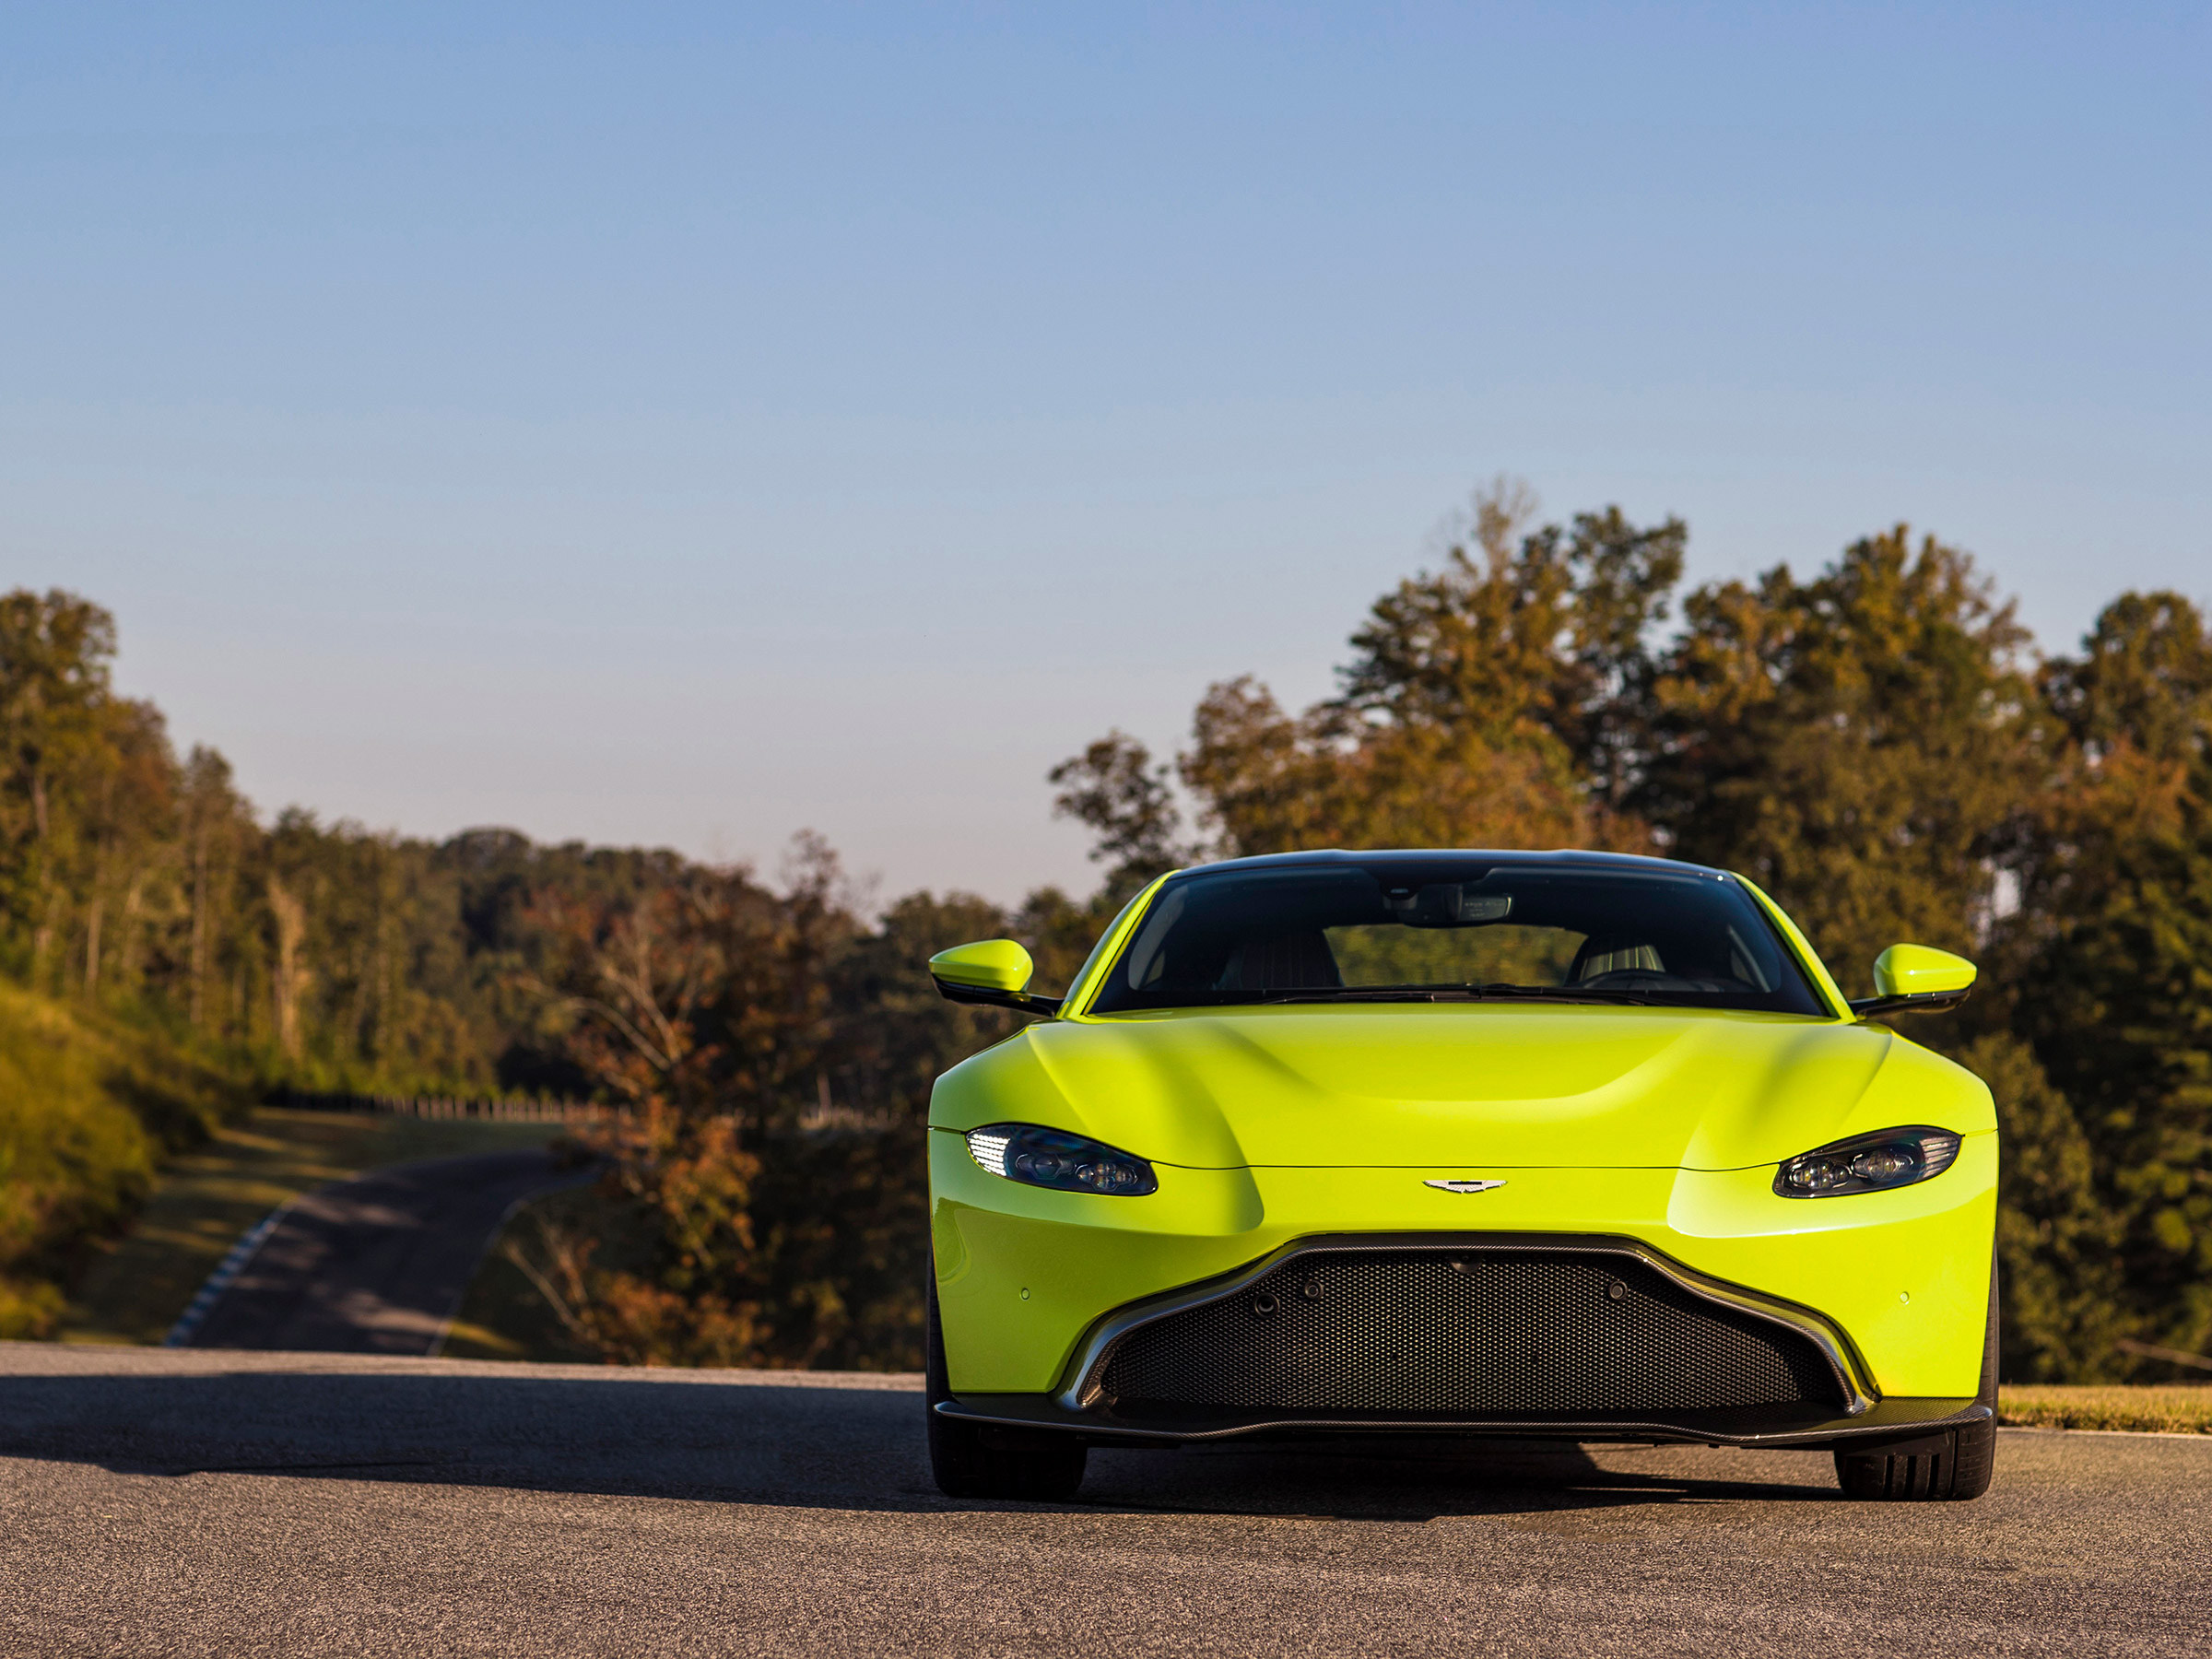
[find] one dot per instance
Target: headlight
(1052, 1157)
(1868, 1164)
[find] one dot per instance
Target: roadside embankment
(88, 1106)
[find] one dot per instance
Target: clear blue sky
(674, 424)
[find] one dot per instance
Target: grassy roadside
(136, 1286)
(89, 1105)
(2158, 1408)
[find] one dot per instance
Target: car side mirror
(1917, 978)
(992, 972)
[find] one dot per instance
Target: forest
(1880, 744)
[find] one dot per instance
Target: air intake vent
(1469, 1334)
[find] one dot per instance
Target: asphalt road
(377, 1265)
(180, 1502)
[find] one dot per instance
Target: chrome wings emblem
(1463, 1186)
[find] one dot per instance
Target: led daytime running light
(988, 1148)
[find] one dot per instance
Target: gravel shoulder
(184, 1501)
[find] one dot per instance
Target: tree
(2063, 1301)
(707, 1006)
(1863, 745)
(1273, 782)
(55, 650)
(2117, 974)
(2122, 1019)
(1543, 646)
(1114, 786)
(122, 801)
(1493, 702)
(218, 829)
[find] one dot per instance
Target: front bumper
(1259, 1311)
(1027, 1278)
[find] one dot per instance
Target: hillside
(89, 1108)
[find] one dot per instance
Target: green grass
(89, 1104)
(2174, 1408)
(136, 1286)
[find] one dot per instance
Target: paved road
(376, 1264)
(180, 1501)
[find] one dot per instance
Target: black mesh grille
(1466, 1333)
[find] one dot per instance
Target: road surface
(184, 1501)
(376, 1264)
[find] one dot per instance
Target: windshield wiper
(1502, 991)
(1373, 994)
(1506, 988)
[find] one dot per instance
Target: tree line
(773, 1045)
(1879, 744)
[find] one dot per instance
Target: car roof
(1432, 855)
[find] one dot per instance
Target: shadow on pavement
(788, 1444)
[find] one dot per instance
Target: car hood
(1461, 1085)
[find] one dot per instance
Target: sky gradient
(644, 424)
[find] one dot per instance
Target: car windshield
(1445, 928)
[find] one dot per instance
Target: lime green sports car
(1568, 1145)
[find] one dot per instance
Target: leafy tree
(57, 719)
(1541, 646)
(1492, 702)
(1114, 786)
(218, 836)
(765, 1184)
(2063, 1292)
(1862, 745)
(2116, 987)
(1274, 783)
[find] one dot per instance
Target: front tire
(1958, 1468)
(1955, 1468)
(973, 1460)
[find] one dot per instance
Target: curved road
(376, 1264)
(178, 1501)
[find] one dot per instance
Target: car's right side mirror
(992, 972)
(1917, 978)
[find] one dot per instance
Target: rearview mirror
(994, 971)
(1917, 977)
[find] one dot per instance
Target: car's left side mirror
(1917, 978)
(992, 972)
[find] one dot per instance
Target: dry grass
(2172, 1408)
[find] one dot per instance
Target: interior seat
(1290, 962)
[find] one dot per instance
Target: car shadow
(1423, 1481)
(780, 1440)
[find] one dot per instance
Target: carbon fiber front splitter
(1899, 1421)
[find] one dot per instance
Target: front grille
(1464, 1333)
